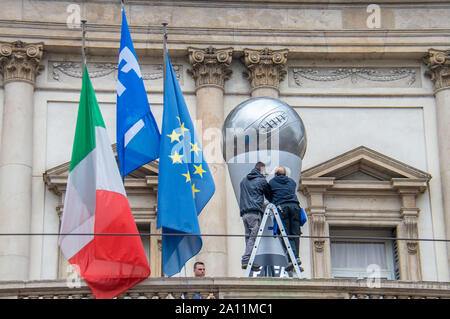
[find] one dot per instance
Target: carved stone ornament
(159, 243)
(438, 62)
(355, 74)
(318, 223)
(410, 223)
(412, 248)
(265, 68)
(210, 66)
(19, 61)
(73, 69)
(102, 69)
(319, 245)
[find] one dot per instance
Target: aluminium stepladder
(270, 211)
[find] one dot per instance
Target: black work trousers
(290, 216)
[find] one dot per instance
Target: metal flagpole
(164, 24)
(83, 49)
(122, 9)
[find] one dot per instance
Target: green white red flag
(96, 204)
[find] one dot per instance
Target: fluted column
(438, 62)
(210, 69)
(19, 64)
(265, 71)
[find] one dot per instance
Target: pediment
(146, 175)
(363, 163)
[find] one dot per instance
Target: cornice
(104, 39)
(369, 155)
(139, 181)
(394, 176)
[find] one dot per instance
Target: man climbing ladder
(287, 215)
(285, 199)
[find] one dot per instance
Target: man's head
(199, 269)
(260, 166)
(280, 171)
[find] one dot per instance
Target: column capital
(210, 66)
(265, 68)
(438, 62)
(19, 61)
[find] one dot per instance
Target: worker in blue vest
(285, 199)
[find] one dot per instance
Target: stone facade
(374, 107)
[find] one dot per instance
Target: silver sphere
(272, 120)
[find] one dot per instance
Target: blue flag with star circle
(185, 183)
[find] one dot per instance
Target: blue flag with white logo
(185, 183)
(137, 132)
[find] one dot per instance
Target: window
(350, 258)
(367, 192)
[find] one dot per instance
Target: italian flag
(96, 204)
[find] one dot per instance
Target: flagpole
(83, 48)
(164, 24)
(122, 9)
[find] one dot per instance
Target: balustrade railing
(230, 288)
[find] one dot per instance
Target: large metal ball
(272, 120)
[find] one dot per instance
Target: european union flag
(185, 183)
(137, 132)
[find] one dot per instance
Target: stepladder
(270, 251)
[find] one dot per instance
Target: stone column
(438, 62)
(19, 64)
(265, 71)
(210, 69)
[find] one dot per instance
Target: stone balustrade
(231, 288)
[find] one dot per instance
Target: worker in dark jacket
(254, 188)
(285, 199)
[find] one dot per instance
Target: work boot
(255, 267)
(290, 265)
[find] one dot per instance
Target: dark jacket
(283, 190)
(253, 189)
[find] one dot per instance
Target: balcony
(231, 288)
